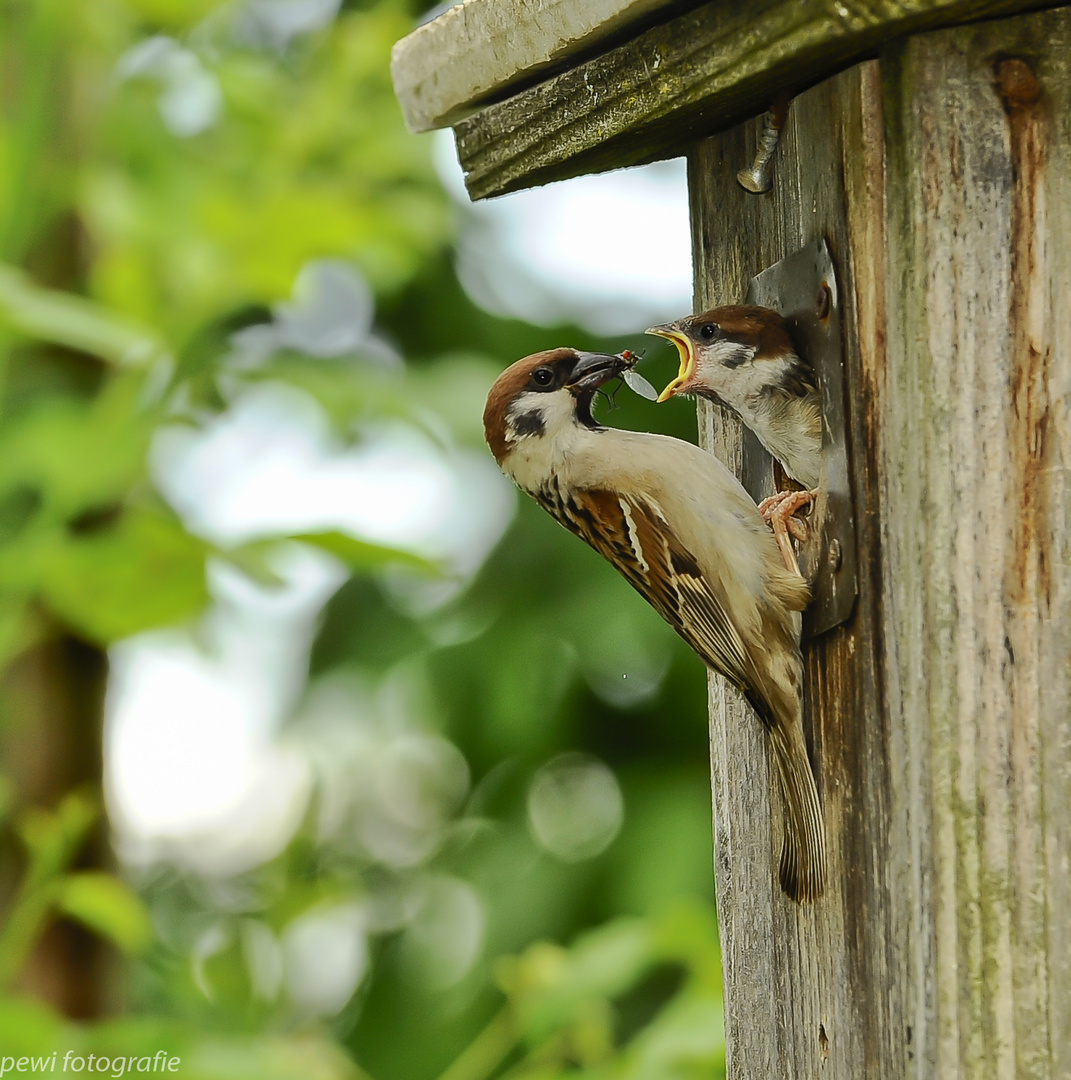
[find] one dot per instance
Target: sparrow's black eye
(542, 376)
(707, 331)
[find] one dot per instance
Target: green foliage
(99, 901)
(131, 254)
(29, 1029)
(78, 533)
(309, 159)
(63, 319)
(582, 1011)
(107, 906)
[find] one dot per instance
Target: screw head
(756, 180)
(835, 555)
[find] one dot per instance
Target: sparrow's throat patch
(687, 368)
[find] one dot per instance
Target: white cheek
(534, 457)
(554, 409)
(723, 371)
(740, 384)
(754, 378)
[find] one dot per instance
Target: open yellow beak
(684, 347)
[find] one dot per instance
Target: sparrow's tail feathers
(792, 590)
(803, 853)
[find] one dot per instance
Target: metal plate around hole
(803, 288)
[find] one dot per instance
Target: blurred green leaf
(173, 14)
(688, 931)
(65, 457)
(686, 1041)
(256, 560)
(64, 319)
(256, 557)
(52, 837)
(144, 570)
(361, 554)
(269, 1058)
(107, 906)
(31, 1028)
(551, 987)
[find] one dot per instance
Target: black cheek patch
(737, 357)
(529, 423)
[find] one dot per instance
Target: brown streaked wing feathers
(654, 561)
(633, 534)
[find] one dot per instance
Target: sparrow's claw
(788, 553)
(773, 500)
(778, 510)
(786, 502)
(800, 529)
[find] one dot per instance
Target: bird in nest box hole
(743, 357)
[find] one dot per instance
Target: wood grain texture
(696, 74)
(482, 50)
(977, 421)
(810, 990)
(940, 717)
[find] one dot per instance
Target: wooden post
(808, 988)
(977, 536)
(941, 714)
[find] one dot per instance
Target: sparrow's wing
(798, 379)
(633, 534)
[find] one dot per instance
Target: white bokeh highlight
(271, 464)
(575, 807)
(325, 956)
(610, 252)
(445, 937)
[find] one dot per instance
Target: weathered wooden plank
(482, 50)
(977, 425)
(699, 73)
(809, 991)
(940, 718)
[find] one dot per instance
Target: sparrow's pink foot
(778, 510)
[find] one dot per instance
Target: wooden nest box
(929, 146)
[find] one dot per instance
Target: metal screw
(834, 556)
(759, 178)
(824, 302)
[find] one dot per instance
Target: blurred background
(322, 754)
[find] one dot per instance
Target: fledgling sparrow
(685, 534)
(743, 357)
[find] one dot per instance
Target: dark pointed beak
(593, 370)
